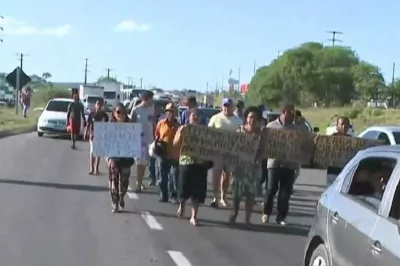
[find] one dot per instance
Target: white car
(53, 120)
(331, 129)
(389, 134)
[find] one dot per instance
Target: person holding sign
(74, 116)
(98, 115)
(119, 169)
(281, 173)
(227, 120)
(245, 182)
(169, 162)
(192, 175)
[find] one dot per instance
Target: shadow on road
(54, 185)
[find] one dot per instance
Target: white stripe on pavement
(151, 221)
(132, 195)
(179, 258)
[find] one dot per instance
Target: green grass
(11, 122)
(361, 118)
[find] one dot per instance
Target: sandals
(181, 211)
(194, 222)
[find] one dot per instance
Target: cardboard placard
(337, 151)
(287, 145)
(206, 143)
(117, 139)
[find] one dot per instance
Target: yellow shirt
(220, 120)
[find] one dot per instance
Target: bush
(42, 96)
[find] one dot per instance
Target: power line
(334, 39)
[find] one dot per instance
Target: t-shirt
(222, 121)
(145, 116)
(76, 110)
(185, 118)
(94, 116)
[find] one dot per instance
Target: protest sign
(117, 139)
(287, 145)
(212, 144)
(336, 151)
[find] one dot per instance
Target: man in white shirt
(226, 119)
(144, 114)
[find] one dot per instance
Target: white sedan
(331, 129)
(389, 134)
(53, 120)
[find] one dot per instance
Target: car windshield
(58, 106)
(93, 100)
(396, 136)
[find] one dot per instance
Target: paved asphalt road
(53, 213)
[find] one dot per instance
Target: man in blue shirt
(192, 104)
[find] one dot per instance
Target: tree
(46, 76)
(105, 78)
(313, 73)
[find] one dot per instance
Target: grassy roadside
(361, 118)
(9, 121)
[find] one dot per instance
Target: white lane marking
(132, 195)
(179, 258)
(151, 221)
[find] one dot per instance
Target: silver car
(357, 220)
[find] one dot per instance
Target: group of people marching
(181, 177)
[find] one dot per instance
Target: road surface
(54, 213)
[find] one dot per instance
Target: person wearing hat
(226, 119)
(169, 161)
(239, 109)
(144, 113)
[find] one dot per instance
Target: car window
(396, 136)
(58, 106)
(372, 134)
(368, 182)
(383, 136)
(395, 207)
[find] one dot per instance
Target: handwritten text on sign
(336, 151)
(212, 144)
(287, 145)
(117, 139)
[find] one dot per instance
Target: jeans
(168, 178)
(281, 179)
(24, 109)
(153, 169)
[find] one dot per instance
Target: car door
(350, 223)
(385, 237)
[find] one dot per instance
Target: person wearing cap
(168, 162)
(192, 105)
(239, 109)
(144, 113)
(226, 119)
(281, 173)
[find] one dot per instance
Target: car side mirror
(316, 129)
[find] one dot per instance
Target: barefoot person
(245, 183)
(98, 115)
(193, 176)
(119, 169)
(74, 116)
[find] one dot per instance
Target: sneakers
(114, 208)
(281, 222)
(265, 219)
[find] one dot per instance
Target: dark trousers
(279, 179)
(264, 173)
(169, 178)
(152, 169)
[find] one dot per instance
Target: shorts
(144, 158)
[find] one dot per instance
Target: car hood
(53, 115)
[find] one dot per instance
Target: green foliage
(42, 95)
(316, 74)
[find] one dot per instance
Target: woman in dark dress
(192, 175)
(119, 169)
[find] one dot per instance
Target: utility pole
(254, 68)
(18, 89)
(393, 73)
(141, 83)
(334, 39)
(207, 87)
(108, 73)
(86, 71)
(21, 60)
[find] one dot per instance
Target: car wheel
(40, 134)
(320, 257)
